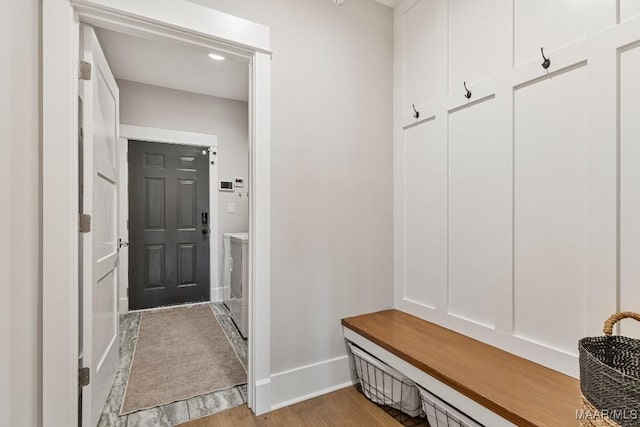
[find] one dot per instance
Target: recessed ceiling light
(216, 57)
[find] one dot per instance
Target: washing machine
(236, 278)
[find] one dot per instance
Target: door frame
(166, 136)
(175, 21)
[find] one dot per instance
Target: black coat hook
(547, 62)
(416, 114)
(468, 94)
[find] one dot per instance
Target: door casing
(174, 21)
(166, 136)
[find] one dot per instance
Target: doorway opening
(171, 346)
(176, 22)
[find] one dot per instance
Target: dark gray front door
(168, 224)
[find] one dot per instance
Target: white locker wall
(517, 211)
(426, 238)
(629, 69)
(479, 227)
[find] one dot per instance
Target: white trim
(123, 304)
(168, 136)
(260, 233)
(175, 21)
(122, 149)
(311, 395)
(60, 50)
(389, 3)
(309, 381)
(262, 392)
(440, 389)
(220, 294)
(178, 20)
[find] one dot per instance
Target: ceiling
(174, 67)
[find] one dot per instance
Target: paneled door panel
(154, 192)
(473, 41)
(480, 212)
(550, 208)
(169, 224)
(425, 213)
(100, 344)
(187, 204)
(421, 45)
(629, 94)
(155, 263)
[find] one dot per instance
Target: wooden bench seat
(522, 392)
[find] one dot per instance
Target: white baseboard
(123, 305)
(309, 381)
(219, 294)
(262, 397)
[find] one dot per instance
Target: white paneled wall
(479, 207)
(474, 58)
(517, 211)
(629, 69)
(550, 210)
(629, 9)
(553, 24)
(426, 223)
(419, 33)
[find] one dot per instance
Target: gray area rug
(180, 353)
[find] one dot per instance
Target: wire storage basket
(441, 414)
(385, 386)
(610, 377)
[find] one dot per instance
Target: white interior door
(100, 102)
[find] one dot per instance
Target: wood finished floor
(346, 407)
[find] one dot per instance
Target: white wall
(20, 214)
(154, 106)
(331, 249)
(506, 205)
(332, 179)
(5, 190)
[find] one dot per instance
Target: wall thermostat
(239, 182)
(226, 185)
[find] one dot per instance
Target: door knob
(205, 231)
(122, 244)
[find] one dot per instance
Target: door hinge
(85, 223)
(83, 377)
(84, 70)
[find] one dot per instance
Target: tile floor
(177, 412)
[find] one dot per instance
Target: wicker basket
(610, 377)
(591, 417)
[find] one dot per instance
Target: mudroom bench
(492, 386)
